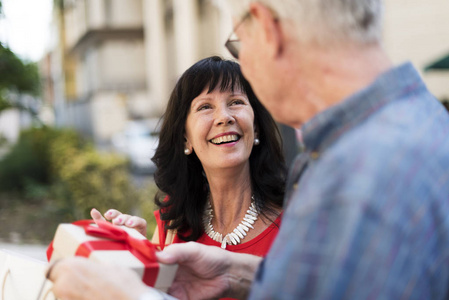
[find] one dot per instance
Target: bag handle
(47, 277)
(8, 272)
(46, 294)
(5, 276)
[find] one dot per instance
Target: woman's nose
(223, 117)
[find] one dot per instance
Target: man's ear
(269, 27)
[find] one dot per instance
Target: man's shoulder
(411, 124)
(410, 134)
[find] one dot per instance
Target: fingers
(123, 219)
(96, 215)
(181, 253)
(137, 223)
(63, 275)
(112, 214)
(82, 279)
(50, 268)
(117, 218)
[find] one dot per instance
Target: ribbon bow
(117, 234)
(115, 238)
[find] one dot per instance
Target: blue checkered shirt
(367, 208)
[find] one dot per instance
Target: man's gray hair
(326, 21)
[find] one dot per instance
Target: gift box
(104, 242)
(23, 277)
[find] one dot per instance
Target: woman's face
(220, 129)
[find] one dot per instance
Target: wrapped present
(104, 242)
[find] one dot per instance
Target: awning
(440, 64)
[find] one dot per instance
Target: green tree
(16, 77)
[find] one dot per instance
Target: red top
(257, 246)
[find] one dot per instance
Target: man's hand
(80, 279)
(207, 272)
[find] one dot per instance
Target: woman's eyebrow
(237, 94)
(205, 98)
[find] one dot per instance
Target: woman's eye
(202, 107)
(237, 102)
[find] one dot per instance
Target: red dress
(257, 246)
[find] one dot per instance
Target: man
(367, 207)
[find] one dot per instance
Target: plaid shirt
(367, 207)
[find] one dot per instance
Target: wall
(418, 31)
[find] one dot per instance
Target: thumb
(182, 253)
(166, 257)
(96, 215)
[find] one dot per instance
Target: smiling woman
(220, 168)
(234, 158)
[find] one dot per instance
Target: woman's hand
(117, 218)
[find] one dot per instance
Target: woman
(220, 169)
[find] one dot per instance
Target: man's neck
(343, 72)
(328, 75)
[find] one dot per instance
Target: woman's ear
(187, 144)
(256, 130)
(256, 136)
(188, 149)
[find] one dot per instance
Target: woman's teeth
(225, 139)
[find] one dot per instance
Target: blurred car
(138, 142)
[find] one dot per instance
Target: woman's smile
(226, 139)
(220, 120)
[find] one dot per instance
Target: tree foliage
(16, 76)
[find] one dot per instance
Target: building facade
(117, 60)
(418, 31)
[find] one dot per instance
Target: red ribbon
(117, 239)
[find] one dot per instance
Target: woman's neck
(230, 197)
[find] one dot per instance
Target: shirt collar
(324, 128)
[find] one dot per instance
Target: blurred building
(101, 55)
(116, 60)
(419, 31)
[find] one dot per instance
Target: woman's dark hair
(181, 176)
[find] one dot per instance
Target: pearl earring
(256, 141)
(187, 151)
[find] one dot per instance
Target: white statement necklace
(238, 234)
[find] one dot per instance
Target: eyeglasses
(233, 45)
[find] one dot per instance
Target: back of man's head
(326, 21)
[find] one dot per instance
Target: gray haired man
(367, 204)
